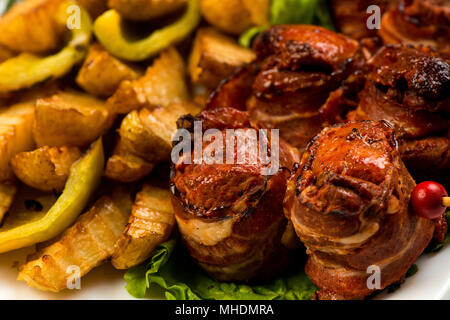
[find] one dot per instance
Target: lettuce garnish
(172, 269)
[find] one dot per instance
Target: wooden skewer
(446, 201)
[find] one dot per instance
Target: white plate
(432, 281)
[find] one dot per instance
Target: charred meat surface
(230, 216)
(410, 88)
(297, 67)
(348, 202)
(418, 22)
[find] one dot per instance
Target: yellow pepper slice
(26, 229)
(113, 35)
(27, 69)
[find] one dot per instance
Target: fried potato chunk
(163, 84)
(15, 135)
(145, 9)
(7, 193)
(85, 245)
(145, 139)
(46, 168)
(101, 73)
(151, 223)
(214, 57)
(235, 16)
(125, 167)
(71, 119)
(31, 26)
(152, 143)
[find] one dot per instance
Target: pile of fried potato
(61, 89)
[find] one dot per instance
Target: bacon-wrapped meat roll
(296, 69)
(348, 202)
(410, 88)
(416, 22)
(230, 215)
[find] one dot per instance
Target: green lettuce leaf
(314, 12)
(181, 279)
(292, 11)
(323, 16)
(247, 37)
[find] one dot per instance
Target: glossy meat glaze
(348, 201)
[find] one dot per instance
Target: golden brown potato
(145, 139)
(101, 73)
(163, 84)
(148, 133)
(46, 168)
(125, 167)
(151, 223)
(235, 16)
(94, 7)
(145, 9)
(70, 119)
(84, 245)
(31, 26)
(259, 11)
(15, 135)
(7, 193)
(214, 57)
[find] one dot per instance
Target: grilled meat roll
(297, 67)
(410, 88)
(418, 22)
(230, 215)
(348, 202)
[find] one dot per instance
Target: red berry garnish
(427, 199)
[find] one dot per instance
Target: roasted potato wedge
(46, 168)
(142, 141)
(101, 73)
(145, 139)
(148, 133)
(214, 57)
(15, 135)
(235, 16)
(71, 119)
(30, 26)
(163, 84)
(84, 245)
(125, 167)
(145, 9)
(151, 223)
(7, 193)
(259, 11)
